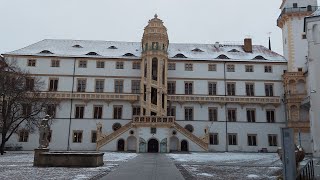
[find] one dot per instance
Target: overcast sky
(23, 22)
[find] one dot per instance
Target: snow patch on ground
(114, 156)
(252, 176)
(205, 174)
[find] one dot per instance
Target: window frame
(83, 64)
(173, 89)
(55, 63)
(232, 91)
(232, 114)
(249, 68)
(212, 113)
(270, 90)
(171, 111)
(252, 140)
(268, 69)
(136, 65)
(100, 64)
(252, 114)
(31, 62)
(75, 136)
(119, 64)
(231, 68)
(99, 85)
(212, 91)
(97, 114)
(171, 66)
(116, 113)
(93, 136)
(79, 111)
(212, 67)
(250, 89)
(187, 116)
(271, 118)
(187, 90)
(23, 135)
(188, 67)
(135, 86)
(53, 87)
(214, 139)
(81, 87)
(234, 139)
(272, 140)
(118, 85)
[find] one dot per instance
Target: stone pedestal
(37, 158)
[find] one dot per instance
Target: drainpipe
(225, 107)
(71, 104)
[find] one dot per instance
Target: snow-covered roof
(132, 50)
(316, 13)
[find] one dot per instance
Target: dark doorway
(184, 145)
(121, 145)
(153, 146)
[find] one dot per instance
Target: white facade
(266, 69)
(313, 35)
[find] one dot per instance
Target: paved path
(147, 166)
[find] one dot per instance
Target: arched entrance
(184, 145)
(132, 143)
(174, 143)
(153, 146)
(120, 145)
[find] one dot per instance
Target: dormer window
(112, 47)
(233, 50)
(45, 52)
(93, 54)
(197, 50)
(259, 58)
(179, 56)
(129, 54)
(77, 46)
(222, 56)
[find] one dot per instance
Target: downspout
(71, 104)
(225, 107)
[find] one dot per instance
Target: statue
(44, 130)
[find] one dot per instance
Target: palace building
(157, 96)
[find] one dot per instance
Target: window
(171, 111)
(116, 126)
(26, 110)
(295, 5)
(252, 140)
(53, 84)
(23, 136)
(171, 87)
(230, 68)
(82, 64)
(135, 86)
(272, 139)
(100, 64)
(32, 62)
(250, 89)
(231, 89)
(188, 113)
(212, 88)
(93, 136)
(136, 111)
(299, 69)
(99, 85)
(81, 87)
(77, 136)
(249, 68)
(153, 130)
(232, 115)
(188, 67)
(212, 67)
(55, 63)
(214, 139)
(117, 112)
(51, 110)
(29, 84)
(79, 112)
(189, 127)
(136, 65)
(213, 114)
(232, 138)
(268, 69)
(171, 66)
(188, 87)
(97, 112)
(304, 36)
(118, 86)
(251, 115)
(119, 65)
(270, 116)
(268, 89)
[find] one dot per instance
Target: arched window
(129, 54)
(77, 46)
(222, 56)
(233, 50)
(316, 33)
(116, 126)
(93, 54)
(196, 50)
(179, 56)
(112, 47)
(45, 52)
(189, 127)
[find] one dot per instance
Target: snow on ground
(255, 158)
(16, 166)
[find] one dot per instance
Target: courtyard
(19, 165)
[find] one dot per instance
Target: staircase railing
(191, 136)
(306, 172)
(106, 139)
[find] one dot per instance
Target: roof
(316, 13)
(132, 50)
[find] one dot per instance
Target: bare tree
(22, 102)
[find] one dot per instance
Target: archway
(184, 145)
(132, 143)
(174, 143)
(153, 146)
(120, 145)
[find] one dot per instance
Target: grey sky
(24, 22)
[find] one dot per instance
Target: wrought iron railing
(306, 172)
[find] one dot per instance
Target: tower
(154, 69)
(295, 50)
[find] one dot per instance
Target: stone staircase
(105, 139)
(199, 141)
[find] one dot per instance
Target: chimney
(247, 47)
(217, 45)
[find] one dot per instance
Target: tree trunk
(3, 142)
